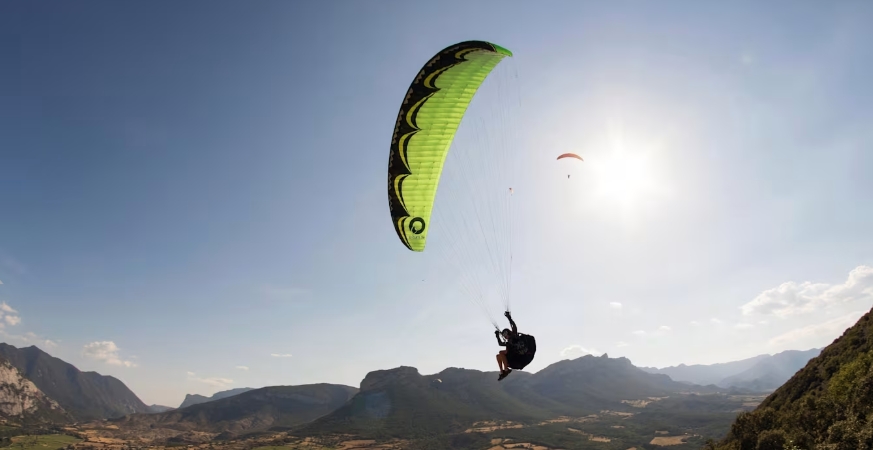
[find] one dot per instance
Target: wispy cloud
(1, 281)
(664, 328)
(12, 320)
(211, 381)
(694, 323)
(575, 351)
(640, 332)
(615, 305)
(29, 338)
(715, 321)
(817, 334)
(621, 344)
(9, 316)
(280, 355)
(792, 298)
(107, 352)
(743, 325)
(242, 367)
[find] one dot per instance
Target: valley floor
(677, 423)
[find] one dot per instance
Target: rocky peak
(381, 378)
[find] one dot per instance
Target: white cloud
(280, 355)
(615, 305)
(791, 298)
(664, 328)
(715, 321)
(763, 322)
(107, 352)
(7, 309)
(694, 323)
(621, 344)
(575, 351)
(1, 281)
(819, 334)
(29, 338)
(743, 325)
(12, 320)
(639, 332)
(242, 367)
(212, 381)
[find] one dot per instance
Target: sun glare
(622, 178)
(625, 179)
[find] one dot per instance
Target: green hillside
(827, 405)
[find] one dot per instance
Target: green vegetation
(827, 405)
(43, 442)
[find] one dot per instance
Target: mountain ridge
(195, 399)
(401, 402)
(84, 395)
(770, 373)
(761, 373)
(257, 409)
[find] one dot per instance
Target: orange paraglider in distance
(570, 155)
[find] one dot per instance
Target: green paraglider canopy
(426, 125)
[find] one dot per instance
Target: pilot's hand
(506, 314)
(497, 333)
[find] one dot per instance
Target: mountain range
(195, 399)
(401, 403)
(455, 408)
(257, 409)
(762, 373)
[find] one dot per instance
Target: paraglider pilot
(520, 348)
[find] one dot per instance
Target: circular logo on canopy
(416, 225)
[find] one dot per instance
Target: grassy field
(43, 442)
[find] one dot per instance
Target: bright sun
(625, 180)
(622, 177)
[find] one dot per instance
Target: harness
(524, 344)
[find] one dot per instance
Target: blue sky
(192, 195)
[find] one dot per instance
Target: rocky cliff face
(20, 398)
(85, 395)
